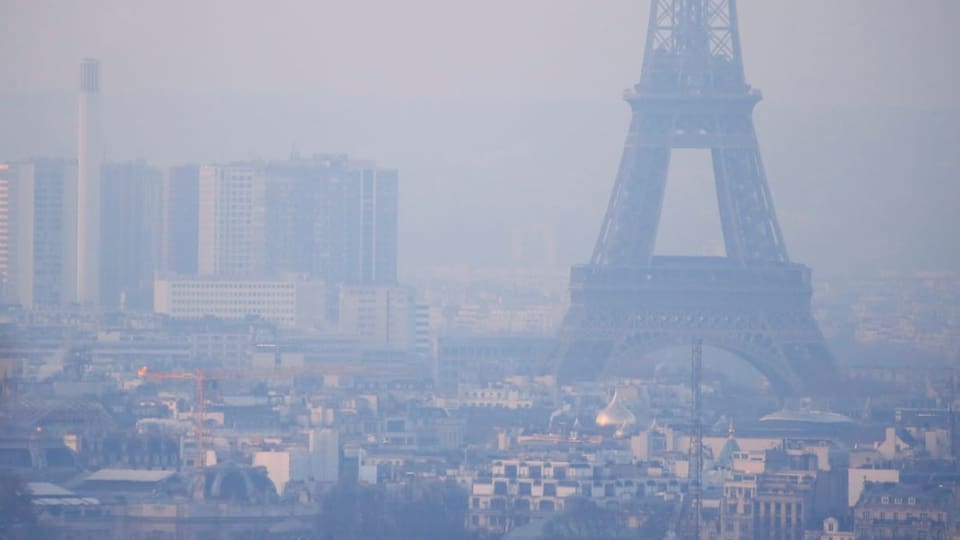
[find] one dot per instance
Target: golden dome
(615, 414)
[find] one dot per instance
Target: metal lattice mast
(951, 419)
(696, 440)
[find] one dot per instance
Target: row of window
(897, 500)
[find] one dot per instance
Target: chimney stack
(89, 153)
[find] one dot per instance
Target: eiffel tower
(753, 301)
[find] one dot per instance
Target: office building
(179, 211)
(230, 238)
(344, 211)
(378, 233)
(38, 232)
(130, 218)
(379, 315)
(292, 302)
(294, 205)
(328, 216)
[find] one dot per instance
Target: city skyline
(516, 141)
(333, 270)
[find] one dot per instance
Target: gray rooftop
(129, 475)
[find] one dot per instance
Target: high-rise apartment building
(89, 155)
(324, 216)
(38, 232)
(362, 245)
(230, 221)
(294, 199)
(333, 218)
(130, 231)
(7, 189)
(179, 209)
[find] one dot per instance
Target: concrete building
(324, 448)
(483, 360)
(333, 218)
(768, 505)
(832, 530)
(425, 331)
(857, 480)
(327, 215)
(344, 211)
(130, 231)
(284, 467)
(294, 214)
(230, 237)
(293, 302)
(38, 232)
(422, 430)
(905, 512)
(378, 233)
(519, 491)
(383, 316)
(179, 209)
(89, 155)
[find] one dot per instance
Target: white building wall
(857, 478)
(230, 224)
(16, 227)
(277, 465)
(379, 315)
(20, 202)
(288, 303)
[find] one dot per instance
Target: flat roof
(46, 489)
(66, 501)
(129, 475)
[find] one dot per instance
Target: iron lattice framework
(627, 302)
(695, 457)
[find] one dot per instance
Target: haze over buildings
(467, 122)
(364, 271)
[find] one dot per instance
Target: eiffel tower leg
(751, 232)
(629, 230)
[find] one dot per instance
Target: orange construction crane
(200, 401)
(201, 376)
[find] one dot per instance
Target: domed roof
(729, 448)
(615, 414)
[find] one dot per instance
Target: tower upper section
(693, 47)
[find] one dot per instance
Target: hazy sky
(810, 52)
(505, 117)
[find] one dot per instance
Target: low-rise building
(832, 529)
(293, 302)
(905, 512)
(379, 315)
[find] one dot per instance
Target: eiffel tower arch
(753, 301)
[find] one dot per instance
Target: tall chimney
(89, 154)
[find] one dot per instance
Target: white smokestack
(88, 184)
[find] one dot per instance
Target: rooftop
(129, 475)
(46, 489)
(802, 415)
